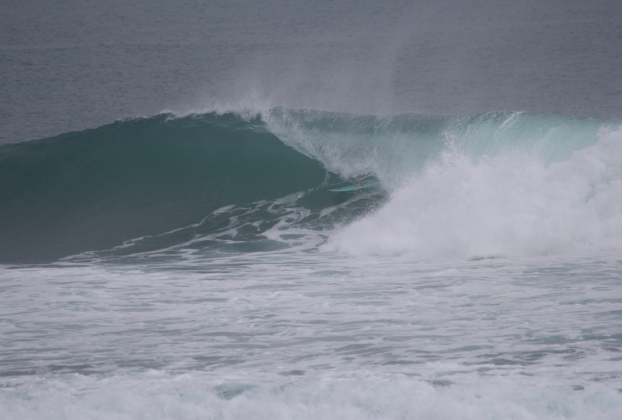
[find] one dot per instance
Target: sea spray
(504, 205)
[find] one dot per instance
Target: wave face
(475, 186)
(98, 188)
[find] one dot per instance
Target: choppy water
(290, 336)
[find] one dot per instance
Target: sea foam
(505, 205)
(159, 396)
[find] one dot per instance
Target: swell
(231, 183)
(98, 188)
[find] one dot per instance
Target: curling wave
(484, 185)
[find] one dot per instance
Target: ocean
(170, 247)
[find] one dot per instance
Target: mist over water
(78, 64)
(172, 247)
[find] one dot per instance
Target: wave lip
(397, 147)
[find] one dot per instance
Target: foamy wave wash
(499, 184)
(159, 396)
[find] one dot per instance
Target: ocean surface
(170, 247)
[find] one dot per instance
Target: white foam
(512, 204)
(158, 396)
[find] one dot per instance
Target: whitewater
(196, 266)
